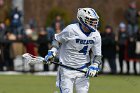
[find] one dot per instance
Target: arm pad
(55, 47)
(98, 59)
(55, 44)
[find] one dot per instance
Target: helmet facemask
(91, 22)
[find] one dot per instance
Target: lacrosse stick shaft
(71, 68)
(68, 67)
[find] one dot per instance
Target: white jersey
(75, 45)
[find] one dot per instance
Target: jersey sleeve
(97, 46)
(96, 50)
(64, 35)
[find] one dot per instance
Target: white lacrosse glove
(51, 54)
(92, 70)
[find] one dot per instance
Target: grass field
(46, 84)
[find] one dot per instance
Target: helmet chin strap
(88, 27)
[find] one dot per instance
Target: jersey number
(84, 50)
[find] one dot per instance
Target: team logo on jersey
(82, 41)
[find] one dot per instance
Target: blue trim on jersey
(87, 74)
(82, 67)
(60, 82)
(86, 33)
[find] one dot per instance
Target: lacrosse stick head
(27, 57)
(30, 59)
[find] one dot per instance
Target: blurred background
(29, 26)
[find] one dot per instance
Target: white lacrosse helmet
(88, 17)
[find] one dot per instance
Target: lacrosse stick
(31, 59)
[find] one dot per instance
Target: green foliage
(4, 10)
(101, 22)
(57, 11)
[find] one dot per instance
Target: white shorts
(67, 79)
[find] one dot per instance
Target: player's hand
(92, 70)
(49, 56)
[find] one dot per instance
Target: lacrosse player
(74, 44)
